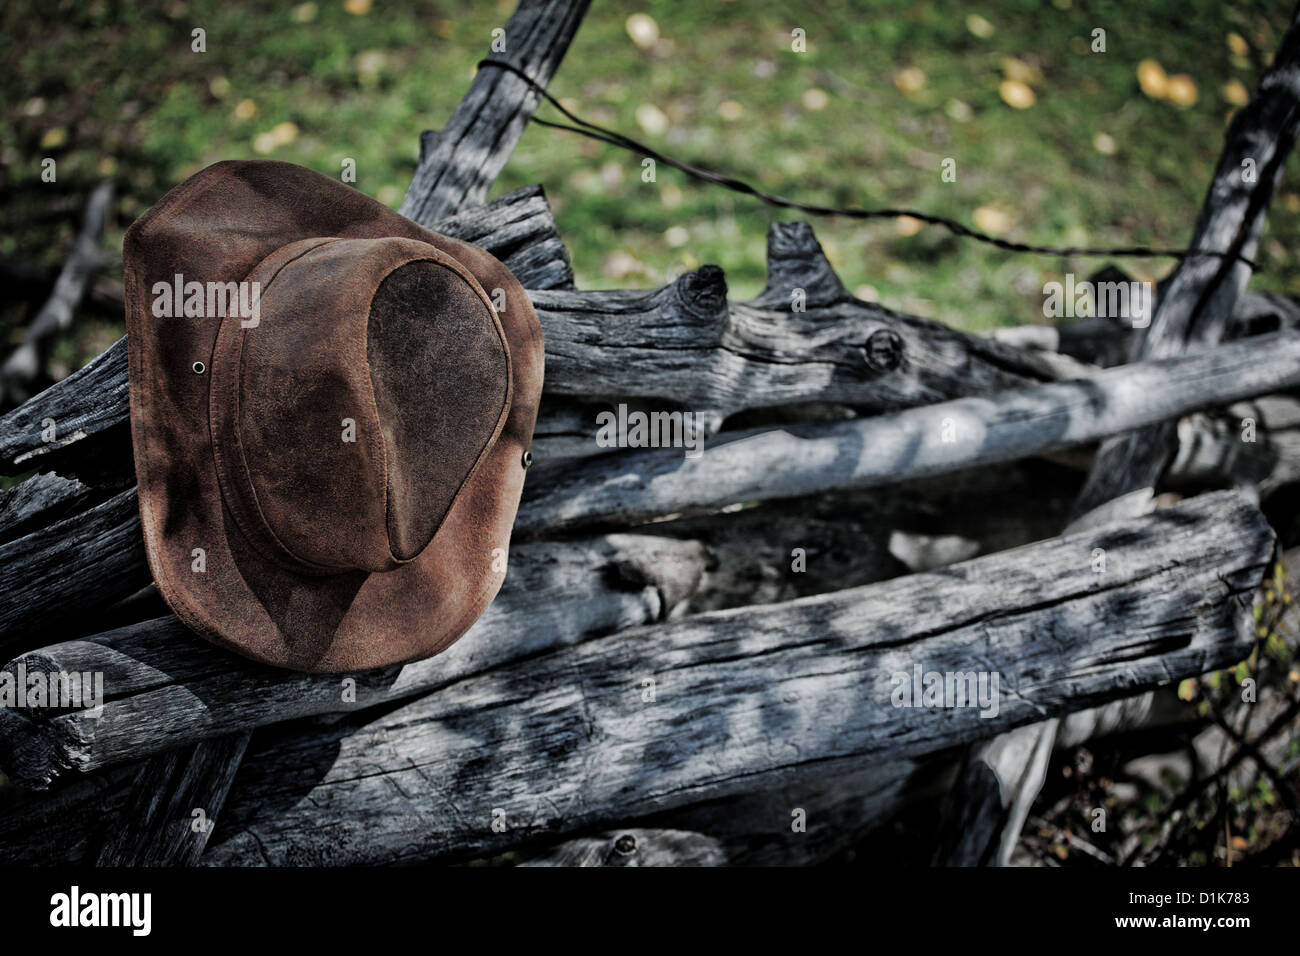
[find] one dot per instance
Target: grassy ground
(882, 95)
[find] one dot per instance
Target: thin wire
(615, 138)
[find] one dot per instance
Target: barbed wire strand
(615, 138)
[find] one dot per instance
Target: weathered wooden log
(22, 368)
(636, 847)
(801, 460)
(1003, 776)
(517, 228)
(460, 162)
(168, 688)
(1199, 300)
(760, 555)
(681, 344)
(805, 338)
(762, 465)
(642, 721)
(755, 828)
(73, 567)
(174, 804)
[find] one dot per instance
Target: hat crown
(347, 420)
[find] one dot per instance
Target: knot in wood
(884, 350)
(703, 291)
(625, 845)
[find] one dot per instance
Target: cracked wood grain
(750, 697)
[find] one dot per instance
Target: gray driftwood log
(747, 466)
(170, 689)
(460, 162)
(763, 464)
(175, 800)
(1196, 304)
(637, 847)
(752, 696)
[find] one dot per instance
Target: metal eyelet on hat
(528, 458)
(199, 368)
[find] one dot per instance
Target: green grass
(114, 89)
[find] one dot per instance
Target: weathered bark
(169, 688)
(636, 847)
(173, 805)
(69, 569)
(747, 698)
(1004, 775)
(460, 162)
(762, 465)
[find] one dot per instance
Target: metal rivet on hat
(528, 458)
(199, 368)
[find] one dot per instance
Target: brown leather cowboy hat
(330, 417)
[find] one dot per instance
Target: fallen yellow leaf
(643, 30)
(815, 99)
(1105, 144)
(1234, 91)
(1017, 95)
(284, 133)
(1181, 90)
(992, 220)
(907, 226)
(1016, 69)
(1151, 77)
(977, 25)
(910, 79)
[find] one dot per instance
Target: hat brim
(217, 226)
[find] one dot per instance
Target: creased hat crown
(346, 421)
